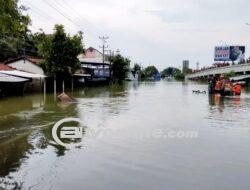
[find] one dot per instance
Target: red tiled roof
(4, 67)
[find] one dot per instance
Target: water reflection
(26, 122)
(11, 152)
(29, 158)
(220, 101)
(228, 112)
(216, 100)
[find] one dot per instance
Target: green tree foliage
(187, 71)
(120, 67)
(13, 30)
(170, 71)
(13, 23)
(173, 72)
(176, 73)
(150, 71)
(137, 67)
(230, 74)
(42, 42)
(179, 76)
(62, 53)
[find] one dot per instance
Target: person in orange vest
(220, 85)
(237, 89)
(228, 90)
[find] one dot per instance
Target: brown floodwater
(147, 135)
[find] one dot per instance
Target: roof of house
(92, 56)
(22, 74)
(34, 60)
(93, 49)
(95, 61)
(8, 78)
(4, 67)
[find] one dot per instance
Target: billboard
(229, 53)
(222, 53)
(237, 53)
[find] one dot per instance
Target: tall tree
(13, 29)
(62, 54)
(137, 67)
(42, 42)
(170, 71)
(150, 71)
(120, 67)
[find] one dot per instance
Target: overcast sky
(151, 32)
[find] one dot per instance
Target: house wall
(27, 66)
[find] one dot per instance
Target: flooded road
(149, 135)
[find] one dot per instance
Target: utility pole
(104, 46)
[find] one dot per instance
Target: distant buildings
(26, 74)
(197, 66)
(92, 64)
(185, 66)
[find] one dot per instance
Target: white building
(92, 62)
(185, 65)
(28, 64)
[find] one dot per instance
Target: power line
(58, 6)
(42, 13)
(39, 11)
(90, 28)
(75, 12)
(55, 8)
(61, 7)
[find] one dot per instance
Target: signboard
(237, 53)
(229, 53)
(222, 53)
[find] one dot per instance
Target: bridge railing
(220, 70)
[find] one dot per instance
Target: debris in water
(65, 98)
